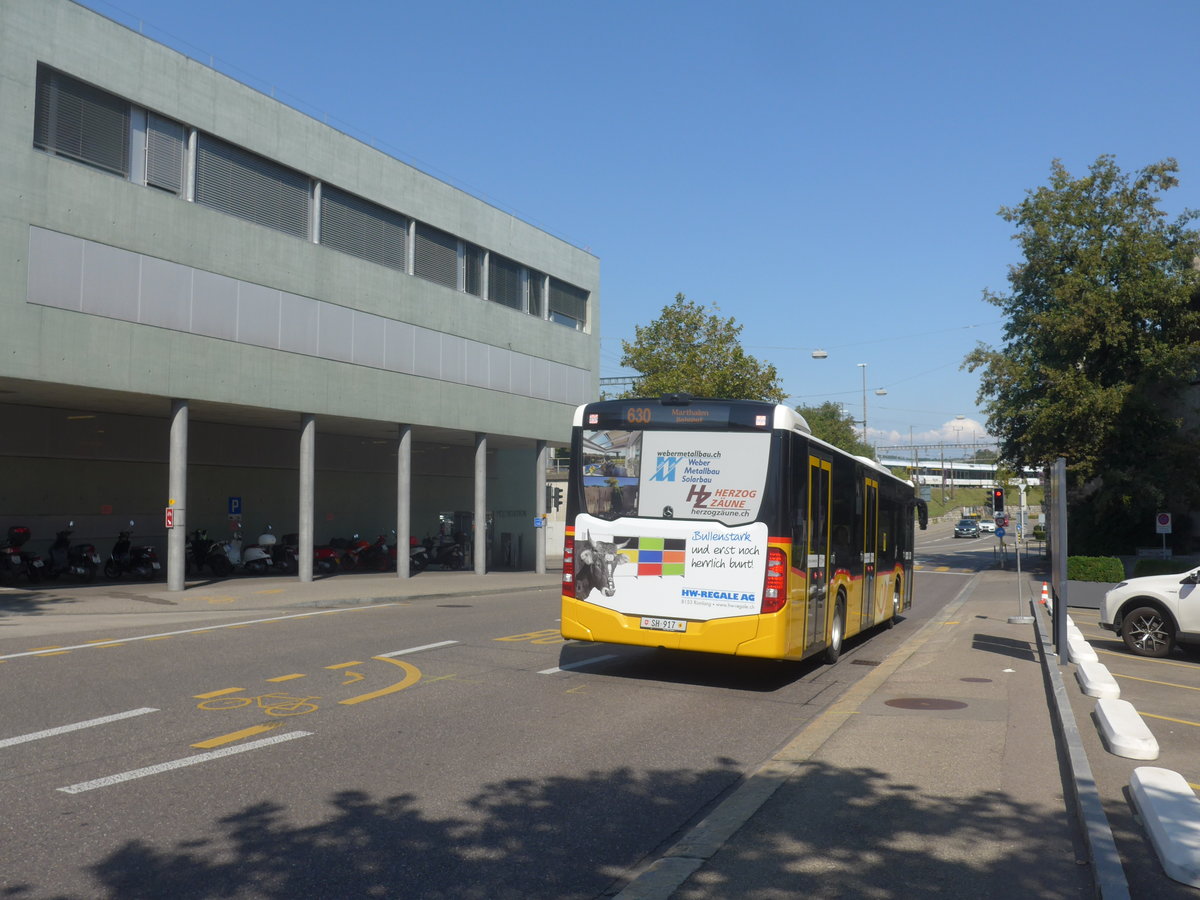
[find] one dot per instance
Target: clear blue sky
(826, 173)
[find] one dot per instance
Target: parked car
(987, 526)
(1153, 613)
(967, 528)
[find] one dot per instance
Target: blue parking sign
(235, 506)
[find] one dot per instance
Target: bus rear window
(717, 476)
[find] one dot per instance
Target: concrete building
(215, 304)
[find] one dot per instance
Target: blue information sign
(1000, 532)
(235, 506)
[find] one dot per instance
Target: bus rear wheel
(891, 622)
(834, 648)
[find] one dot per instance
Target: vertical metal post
(308, 457)
(480, 529)
(1058, 559)
(540, 509)
(177, 499)
(403, 500)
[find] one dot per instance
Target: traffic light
(556, 494)
(997, 500)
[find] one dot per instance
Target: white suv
(1152, 613)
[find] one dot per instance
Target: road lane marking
(220, 693)
(346, 665)
(196, 759)
(234, 736)
(167, 634)
(412, 676)
(1169, 719)
(291, 677)
(414, 649)
(577, 665)
(63, 729)
(51, 653)
(1185, 687)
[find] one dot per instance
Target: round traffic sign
(1000, 532)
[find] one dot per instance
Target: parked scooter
(286, 555)
(17, 561)
(448, 552)
(257, 559)
(379, 556)
(418, 556)
(80, 560)
(327, 560)
(141, 561)
(352, 553)
(202, 551)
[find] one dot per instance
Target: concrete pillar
(177, 497)
(480, 531)
(308, 459)
(403, 499)
(539, 508)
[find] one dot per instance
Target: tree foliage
(688, 349)
(1100, 343)
(831, 423)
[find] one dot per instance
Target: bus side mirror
(923, 514)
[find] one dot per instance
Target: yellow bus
(725, 526)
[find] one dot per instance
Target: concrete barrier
(1096, 681)
(1081, 650)
(1171, 814)
(1125, 733)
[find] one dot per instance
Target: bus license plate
(664, 624)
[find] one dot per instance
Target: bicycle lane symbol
(279, 704)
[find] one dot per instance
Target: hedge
(1162, 566)
(1095, 568)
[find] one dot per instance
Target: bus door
(819, 482)
(870, 540)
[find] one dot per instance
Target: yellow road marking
(411, 677)
(286, 678)
(107, 646)
(161, 637)
(949, 623)
(59, 653)
(234, 736)
(1169, 719)
(353, 678)
(346, 665)
(204, 631)
(52, 647)
(1147, 659)
(220, 693)
(1152, 681)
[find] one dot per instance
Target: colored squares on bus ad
(671, 569)
(673, 475)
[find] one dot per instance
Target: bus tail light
(568, 567)
(775, 585)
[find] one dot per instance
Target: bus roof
(676, 407)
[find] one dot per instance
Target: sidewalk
(938, 774)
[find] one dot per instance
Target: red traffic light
(998, 500)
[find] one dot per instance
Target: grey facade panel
(258, 315)
(427, 360)
(110, 282)
(499, 362)
(55, 269)
(166, 294)
(299, 322)
(335, 339)
(398, 353)
(518, 375)
(454, 359)
(370, 340)
(477, 364)
(214, 305)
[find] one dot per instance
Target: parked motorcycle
(379, 556)
(286, 555)
(257, 559)
(80, 560)
(418, 556)
(141, 561)
(16, 561)
(327, 560)
(353, 552)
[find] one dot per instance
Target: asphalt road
(426, 748)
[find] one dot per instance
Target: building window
(362, 228)
(472, 269)
(165, 140)
(81, 122)
(435, 255)
(537, 294)
(251, 187)
(504, 281)
(568, 304)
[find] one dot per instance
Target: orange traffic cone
(1045, 594)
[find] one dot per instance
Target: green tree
(1101, 340)
(832, 424)
(688, 349)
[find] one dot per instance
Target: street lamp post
(863, 366)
